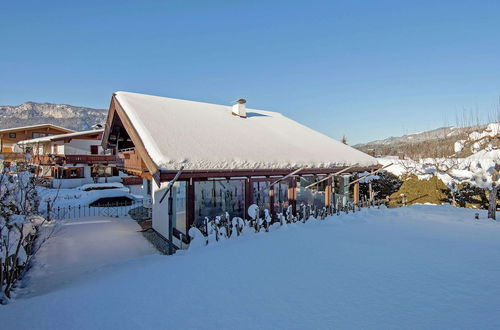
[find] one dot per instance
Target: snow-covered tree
(19, 223)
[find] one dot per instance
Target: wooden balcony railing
(129, 161)
(73, 159)
(13, 156)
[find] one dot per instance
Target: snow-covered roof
(49, 138)
(34, 127)
(204, 136)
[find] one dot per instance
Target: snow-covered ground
(419, 267)
(80, 247)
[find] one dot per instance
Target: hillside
(69, 116)
(434, 143)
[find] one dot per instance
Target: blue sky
(366, 69)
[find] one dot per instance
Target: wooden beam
(356, 193)
(332, 175)
(168, 175)
(372, 173)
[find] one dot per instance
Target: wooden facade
(9, 137)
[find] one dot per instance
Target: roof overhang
(116, 110)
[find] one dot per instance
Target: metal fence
(139, 210)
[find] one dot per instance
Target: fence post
(48, 211)
(1, 275)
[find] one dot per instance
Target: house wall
(59, 149)
(70, 183)
(80, 147)
(73, 183)
(6, 142)
(137, 189)
(160, 211)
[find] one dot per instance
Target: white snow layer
(476, 169)
(418, 267)
(203, 136)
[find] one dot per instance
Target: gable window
(12, 135)
(37, 135)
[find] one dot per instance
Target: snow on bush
(19, 224)
(222, 227)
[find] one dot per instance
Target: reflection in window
(179, 191)
(341, 191)
(315, 195)
(260, 196)
(213, 198)
(281, 196)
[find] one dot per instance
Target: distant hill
(68, 116)
(434, 143)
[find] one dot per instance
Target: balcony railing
(129, 161)
(73, 159)
(13, 156)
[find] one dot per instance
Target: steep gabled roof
(57, 137)
(204, 136)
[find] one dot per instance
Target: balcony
(73, 159)
(129, 161)
(13, 156)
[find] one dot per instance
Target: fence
(223, 226)
(139, 210)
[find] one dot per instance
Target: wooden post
(190, 205)
(248, 196)
(356, 193)
(328, 194)
(292, 195)
(271, 201)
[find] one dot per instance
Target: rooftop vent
(239, 109)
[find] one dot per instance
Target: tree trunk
(492, 207)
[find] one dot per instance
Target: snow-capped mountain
(69, 116)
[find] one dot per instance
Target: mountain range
(68, 116)
(438, 142)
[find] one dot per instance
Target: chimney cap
(241, 101)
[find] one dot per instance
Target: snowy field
(420, 267)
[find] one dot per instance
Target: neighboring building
(10, 136)
(71, 160)
(230, 156)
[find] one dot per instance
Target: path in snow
(83, 246)
(419, 267)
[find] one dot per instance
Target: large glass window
(341, 196)
(216, 197)
(281, 196)
(315, 195)
(260, 195)
(179, 191)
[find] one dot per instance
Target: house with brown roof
(72, 159)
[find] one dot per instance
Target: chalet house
(230, 156)
(72, 159)
(10, 136)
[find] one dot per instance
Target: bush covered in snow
(384, 185)
(19, 225)
(416, 191)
